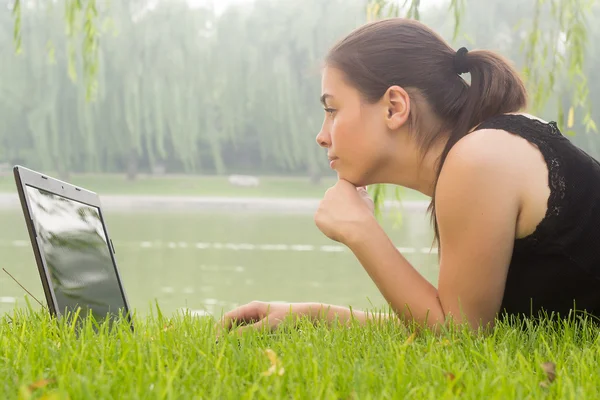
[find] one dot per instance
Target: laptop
(73, 250)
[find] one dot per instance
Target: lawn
(178, 357)
(190, 185)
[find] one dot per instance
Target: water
(212, 262)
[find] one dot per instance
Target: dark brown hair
(407, 53)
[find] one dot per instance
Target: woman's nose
(322, 139)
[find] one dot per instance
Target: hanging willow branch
(555, 52)
(75, 12)
(17, 29)
(377, 9)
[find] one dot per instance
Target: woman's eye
(330, 111)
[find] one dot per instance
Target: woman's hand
(258, 314)
(344, 211)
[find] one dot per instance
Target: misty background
(207, 87)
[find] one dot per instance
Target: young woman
(515, 205)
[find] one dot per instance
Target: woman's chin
(353, 179)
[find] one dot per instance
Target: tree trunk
(314, 173)
(64, 175)
(62, 170)
(132, 166)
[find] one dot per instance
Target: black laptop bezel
(27, 177)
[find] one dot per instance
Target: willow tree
(287, 63)
(32, 86)
(213, 92)
(550, 52)
(228, 93)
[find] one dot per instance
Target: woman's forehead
(333, 84)
(331, 76)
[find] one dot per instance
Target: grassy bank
(178, 358)
(182, 185)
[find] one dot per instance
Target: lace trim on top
(536, 131)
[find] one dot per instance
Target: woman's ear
(397, 103)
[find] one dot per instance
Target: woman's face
(362, 140)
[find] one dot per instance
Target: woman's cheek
(338, 128)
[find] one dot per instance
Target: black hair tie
(461, 64)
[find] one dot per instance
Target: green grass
(190, 185)
(178, 357)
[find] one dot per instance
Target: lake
(210, 262)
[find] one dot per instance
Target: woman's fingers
(255, 315)
(362, 191)
(262, 324)
(244, 314)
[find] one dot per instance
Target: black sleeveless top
(556, 269)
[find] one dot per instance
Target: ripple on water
(6, 299)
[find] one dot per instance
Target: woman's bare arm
(477, 207)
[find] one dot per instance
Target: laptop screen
(73, 243)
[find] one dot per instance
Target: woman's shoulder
(500, 169)
(490, 150)
(488, 163)
(494, 142)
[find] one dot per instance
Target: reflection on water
(77, 254)
(212, 262)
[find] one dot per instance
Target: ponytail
(495, 89)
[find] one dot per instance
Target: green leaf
(16, 11)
